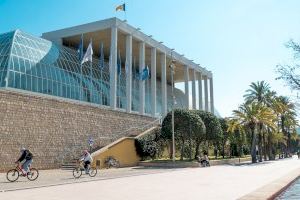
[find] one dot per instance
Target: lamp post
(172, 68)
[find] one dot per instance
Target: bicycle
(110, 161)
(13, 174)
(77, 171)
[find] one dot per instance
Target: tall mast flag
(126, 66)
(121, 7)
(80, 48)
(88, 56)
(110, 62)
(144, 75)
(119, 64)
(101, 56)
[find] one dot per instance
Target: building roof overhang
(93, 29)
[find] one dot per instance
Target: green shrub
(149, 145)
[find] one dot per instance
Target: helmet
(22, 149)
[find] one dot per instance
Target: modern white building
(53, 104)
(50, 65)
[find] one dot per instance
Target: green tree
(259, 92)
(225, 134)
(213, 134)
(290, 73)
(188, 126)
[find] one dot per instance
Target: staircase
(68, 159)
(69, 165)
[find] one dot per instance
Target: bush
(149, 145)
(187, 126)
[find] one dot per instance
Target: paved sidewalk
(214, 183)
(61, 177)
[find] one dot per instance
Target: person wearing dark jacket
(26, 156)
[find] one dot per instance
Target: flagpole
(125, 10)
(81, 97)
(101, 96)
(81, 75)
(91, 75)
(101, 70)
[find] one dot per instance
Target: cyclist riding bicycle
(87, 159)
(26, 156)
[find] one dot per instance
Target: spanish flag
(121, 7)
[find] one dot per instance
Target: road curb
(274, 189)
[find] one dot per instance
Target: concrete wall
(55, 129)
(123, 150)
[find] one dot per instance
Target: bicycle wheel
(117, 164)
(77, 172)
(93, 172)
(12, 175)
(33, 174)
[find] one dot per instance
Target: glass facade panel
(37, 65)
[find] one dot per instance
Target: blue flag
(80, 48)
(101, 61)
(119, 64)
(144, 75)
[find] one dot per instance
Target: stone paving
(215, 183)
(60, 177)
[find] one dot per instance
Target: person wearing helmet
(87, 159)
(26, 156)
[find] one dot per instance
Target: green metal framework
(38, 65)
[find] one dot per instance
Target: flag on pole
(80, 48)
(121, 7)
(88, 56)
(119, 64)
(101, 61)
(126, 66)
(144, 75)
(110, 62)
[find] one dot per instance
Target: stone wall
(53, 128)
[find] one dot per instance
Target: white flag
(88, 56)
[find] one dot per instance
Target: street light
(172, 68)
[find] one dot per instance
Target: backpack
(28, 155)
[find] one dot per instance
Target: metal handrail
(158, 121)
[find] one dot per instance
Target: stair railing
(126, 133)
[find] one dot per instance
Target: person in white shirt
(87, 159)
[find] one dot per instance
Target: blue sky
(240, 41)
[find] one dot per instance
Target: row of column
(197, 76)
(113, 75)
(113, 79)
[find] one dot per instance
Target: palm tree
(246, 116)
(287, 122)
(257, 93)
(266, 124)
(253, 117)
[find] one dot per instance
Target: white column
(153, 81)
(212, 108)
(194, 88)
(200, 91)
(141, 82)
(113, 67)
(163, 84)
(205, 93)
(129, 71)
(186, 85)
